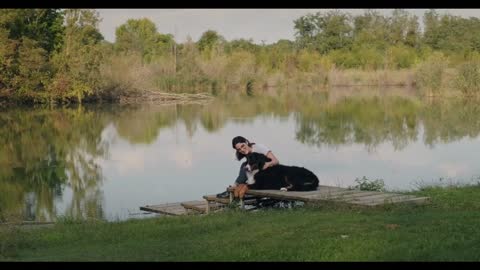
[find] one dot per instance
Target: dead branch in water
(150, 96)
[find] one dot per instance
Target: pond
(105, 161)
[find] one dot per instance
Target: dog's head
(255, 162)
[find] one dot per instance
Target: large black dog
(281, 177)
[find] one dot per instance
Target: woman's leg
(242, 176)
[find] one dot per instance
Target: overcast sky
(267, 25)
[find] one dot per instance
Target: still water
(106, 161)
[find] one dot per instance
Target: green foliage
(7, 59)
(324, 32)
(371, 29)
(368, 185)
(240, 44)
(33, 67)
(344, 59)
(401, 57)
(451, 33)
(429, 74)
(45, 26)
(311, 61)
(367, 57)
(28, 37)
(52, 54)
(468, 78)
(403, 29)
(141, 36)
(77, 64)
(208, 40)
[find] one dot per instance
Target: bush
(468, 78)
(429, 74)
(368, 185)
(401, 57)
(344, 59)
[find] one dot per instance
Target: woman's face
(243, 148)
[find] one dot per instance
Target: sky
(261, 25)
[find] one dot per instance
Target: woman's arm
(271, 163)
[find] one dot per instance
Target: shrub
(468, 78)
(368, 185)
(429, 74)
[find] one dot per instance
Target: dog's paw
(283, 189)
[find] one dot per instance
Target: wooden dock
(344, 195)
(322, 194)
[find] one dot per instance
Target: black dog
(281, 177)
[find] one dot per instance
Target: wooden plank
(378, 198)
(201, 206)
(276, 194)
(174, 209)
(401, 200)
(213, 198)
(319, 195)
(354, 196)
(322, 190)
(333, 195)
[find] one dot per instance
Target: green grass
(445, 230)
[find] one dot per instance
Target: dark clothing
(242, 175)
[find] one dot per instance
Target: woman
(243, 147)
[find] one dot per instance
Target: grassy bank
(445, 230)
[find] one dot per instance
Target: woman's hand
(267, 165)
(272, 163)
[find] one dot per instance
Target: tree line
(55, 55)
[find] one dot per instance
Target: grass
(445, 230)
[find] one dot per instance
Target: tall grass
(429, 75)
(467, 79)
(217, 72)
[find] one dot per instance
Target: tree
(45, 26)
(209, 42)
(141, 36)
(77, 64)
(431, 35)
(7, 58)
(33, 67)
(28, 38)
(324, 32)
(412, 37)
(241, 44)
(371, 30)
(398, 26)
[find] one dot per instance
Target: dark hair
(240, 139)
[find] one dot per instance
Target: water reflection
(105, 161)
(44, 151)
